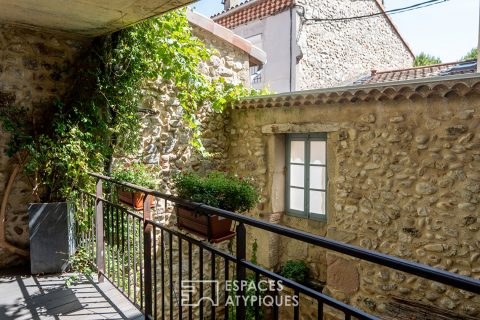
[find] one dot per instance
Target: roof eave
(256, 55)
(461, 84)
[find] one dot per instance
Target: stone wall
(34, 70)
(166, 136)
(342, 51)
(403, 174)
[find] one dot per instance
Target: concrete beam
(88, 18)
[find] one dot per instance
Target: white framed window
(306, 177)
(255, 74)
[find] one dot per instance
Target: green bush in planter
(218, 189)
(135, 173)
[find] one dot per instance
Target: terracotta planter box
(133, 199)
(220, 228)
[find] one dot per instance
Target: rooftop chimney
(231, 3)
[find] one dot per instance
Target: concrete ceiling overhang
(88, 18)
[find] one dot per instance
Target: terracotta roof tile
(251, 10)
(460, 85)
(437, 70)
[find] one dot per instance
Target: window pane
(296, 199)
(297, 175)
(318, 151)
(318, 177)
(297, 152)
(317, 202)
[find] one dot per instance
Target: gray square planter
(51, 236)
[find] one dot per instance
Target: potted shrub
(217, 189)
(56, 163)
(135, 173)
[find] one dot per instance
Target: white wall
(275, 34)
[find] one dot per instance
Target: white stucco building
(308, 50)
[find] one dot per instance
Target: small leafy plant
(135, 173)
(296, 270)
(81, 264)
(218, 189)
(55, 156)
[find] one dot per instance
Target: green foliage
(56, 150)
(425, 59)
(254, 252)
(81, 264)
(217, 189)
(296, 270)
(84, 210)
(59, 160)
(162, 48)
(471, 55)
(100, 116)
(135, 173)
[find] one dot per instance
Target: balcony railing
(149, 262)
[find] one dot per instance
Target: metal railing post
(147, 256)
(241, 254)
(100, 254)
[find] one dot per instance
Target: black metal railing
(150, 263)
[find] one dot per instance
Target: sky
(447, 30)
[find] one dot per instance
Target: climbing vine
(161, 48)
(100, 117)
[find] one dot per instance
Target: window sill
(322, 219)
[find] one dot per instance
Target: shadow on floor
(23, 296)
